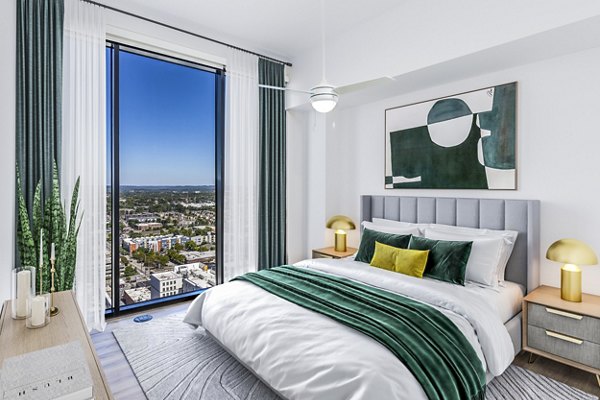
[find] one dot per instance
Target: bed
(302, 354)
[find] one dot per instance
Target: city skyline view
(167, 213)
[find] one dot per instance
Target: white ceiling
(278, 27)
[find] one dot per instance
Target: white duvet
(305, 355)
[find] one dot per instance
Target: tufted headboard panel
(517, 215)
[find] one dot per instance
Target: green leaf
(25, 243)
(69, 259)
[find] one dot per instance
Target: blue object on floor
(142, 318)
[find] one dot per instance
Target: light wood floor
(125, 386)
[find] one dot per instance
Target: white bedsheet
(305, 355)
(506, 299)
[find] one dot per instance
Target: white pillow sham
(509, 242)
(399, 224)
(408, 230)
(485, 257)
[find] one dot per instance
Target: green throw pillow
(404, 261)
(447, 260)
(368, 239)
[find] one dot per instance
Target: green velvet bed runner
(427, 342)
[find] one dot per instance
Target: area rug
(172, 361)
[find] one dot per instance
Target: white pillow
(509, 242)
(486, 255)
(391, 229)
(399, 224)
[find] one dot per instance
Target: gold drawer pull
(564, 337)
(564, 313)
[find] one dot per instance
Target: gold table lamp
(341, 224)
(571, 253)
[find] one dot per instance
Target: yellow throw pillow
(405, 261)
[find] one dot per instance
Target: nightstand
(67, 326)
(329, 252)
(561, 330)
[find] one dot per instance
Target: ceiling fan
(324, 96)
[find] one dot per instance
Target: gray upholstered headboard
(517, 215)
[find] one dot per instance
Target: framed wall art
(464, 141)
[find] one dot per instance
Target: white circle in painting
(451, 132)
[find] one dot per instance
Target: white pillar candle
(41, 248)
(38, 311)
(23, 292)
(52, 256)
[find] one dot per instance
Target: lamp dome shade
(571, 251)
(340, 222)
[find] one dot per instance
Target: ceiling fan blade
(354, 87)
(283, 88)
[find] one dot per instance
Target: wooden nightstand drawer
(565, 346)
(320, 255)
(329, 252)
(568, 323)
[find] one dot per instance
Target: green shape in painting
(499, 147)
(414, 154)
(446, 109)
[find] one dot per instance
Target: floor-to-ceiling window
(163, 209)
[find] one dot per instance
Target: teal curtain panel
(39, 93)
(272, 167)
(421, 337)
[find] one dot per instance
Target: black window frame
(220, 78)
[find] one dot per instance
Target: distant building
(165, 284)
(193, 284)
(209, 238)
(154, 243)
(149, 226)
(186, 269)
(136, 295)
(195, 276)
(142, 217)
(198, 256)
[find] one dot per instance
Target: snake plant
(50, 218)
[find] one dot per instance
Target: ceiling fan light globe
(324, 98)
(323, 105)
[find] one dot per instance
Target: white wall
(7, 149)
(557, 151)
(297, 185)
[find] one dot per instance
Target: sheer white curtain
(240, 214)
(84, 149)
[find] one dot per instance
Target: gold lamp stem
(53, 310)
(340, 240)
(570, 283)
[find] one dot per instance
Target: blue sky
(166, 123)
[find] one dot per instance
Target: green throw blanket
(427, 342)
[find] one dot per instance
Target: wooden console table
(67, 326)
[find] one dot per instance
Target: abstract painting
(465, 141)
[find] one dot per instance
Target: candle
(41, 248)
(38, 311)
(52, 257)
(23, 292)
(41, 257)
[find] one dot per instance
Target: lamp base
(570, 284)
(340, 241)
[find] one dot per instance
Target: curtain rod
(186, 31)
